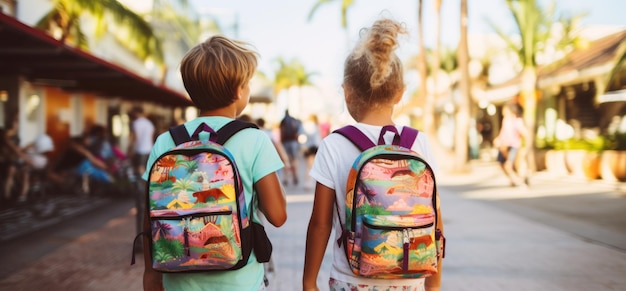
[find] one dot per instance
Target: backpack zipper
(192, 215)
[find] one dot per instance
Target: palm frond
(317, 6)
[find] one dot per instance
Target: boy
(216, 74)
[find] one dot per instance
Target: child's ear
(397, 98)
(239, 93)
(243, 91)
(347, 92)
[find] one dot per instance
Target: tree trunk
(436, 64)
(462, 115)
(529, 98)
(429, 102)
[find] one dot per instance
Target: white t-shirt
(331, 167)
(144, 135)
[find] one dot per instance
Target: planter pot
(555, 162)
(583, 164)
(574, 162)
(620, 171)
(540, 160)
(591, 165)
(613, 165)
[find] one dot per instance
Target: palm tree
(185, 223)
(436, 54)
(190, 165)
(345, 5)
(291, 74)
(422, 94)
(430, 97)
(65, 16)
(534, 24)
(160, 230)
(463, 104)
(179, 28)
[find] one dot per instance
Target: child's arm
(318, 233)
(152, 280)
(433, 282)
(272, 200)
(282, 153)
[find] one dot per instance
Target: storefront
(55, 88)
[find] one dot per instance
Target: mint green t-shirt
(256, 157)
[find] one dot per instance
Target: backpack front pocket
(398, 244)
(196, 239)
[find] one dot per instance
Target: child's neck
(379, 116)
(227, 111)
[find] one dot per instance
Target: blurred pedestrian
(77, 159)
(312, 140)
(141, 139)
(324, 125)
(277, 144)
(14, 162)
(513, 133)
(290, 130)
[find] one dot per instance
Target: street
(562, 234)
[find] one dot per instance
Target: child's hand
(432, 289)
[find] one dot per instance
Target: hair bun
(379, 45)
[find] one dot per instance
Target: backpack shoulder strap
(231, 128)
(408, 136)
(354, 135)
(179, 134)
(358, 138)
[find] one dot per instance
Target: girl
(373, 83)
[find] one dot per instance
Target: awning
(613, 96)
(31, 53)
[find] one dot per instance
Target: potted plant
(613, 159)
(582, 157)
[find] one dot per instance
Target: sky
(282, 27)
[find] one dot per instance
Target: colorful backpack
(198, 214)
(391, 209)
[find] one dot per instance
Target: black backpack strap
(354, 135)
(228, 130)
(179, 134)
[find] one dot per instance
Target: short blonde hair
(212, 71)
(373, 71)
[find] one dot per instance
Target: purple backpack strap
(361, 141)
(353, 134)
(404, 139)
(408, 136)
(385, 129)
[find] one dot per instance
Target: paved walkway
(488, 248)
